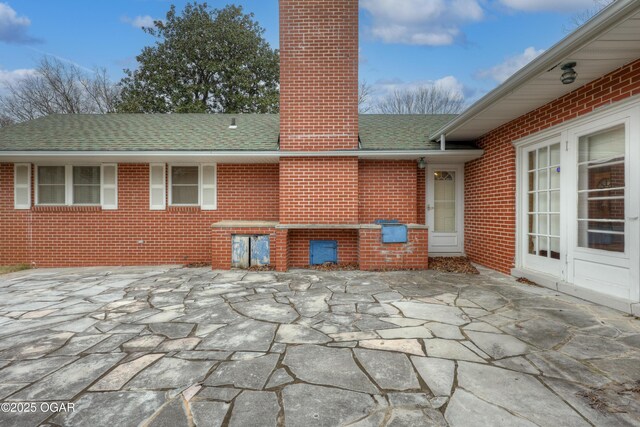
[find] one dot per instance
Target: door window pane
(601, 190)
(444, 194)
(184, 185)
(86, 185)
(51, 184)
(544, 202)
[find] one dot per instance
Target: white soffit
(617, 44)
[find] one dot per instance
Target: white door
(603, 214)
(445, 208)
(543, 246)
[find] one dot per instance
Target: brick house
(537, 179)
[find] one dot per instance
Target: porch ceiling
(609, 41)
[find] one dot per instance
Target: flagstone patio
(176, 346)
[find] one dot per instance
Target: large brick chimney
(318, 110)
(318, 75)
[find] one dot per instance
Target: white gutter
(234, 154)
(599, 24)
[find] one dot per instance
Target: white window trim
(36, 184)
(27, 186)
(182, 205)
(68, 185)
(201, 185)
(162, 187)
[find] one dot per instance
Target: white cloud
(139, 21)
(13, 28)
(506, 69)
(9, 77)
(549, 5)
(421, 22)
(383, 88)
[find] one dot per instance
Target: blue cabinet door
(323, 251)
(260, 251)
(394, 233)
(240, 251)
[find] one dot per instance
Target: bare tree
(364, 93)
(580, 18)
(5, 121)
(432, 99)
(58, 88)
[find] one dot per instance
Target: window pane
(555, 154)
(542, 179)
(601, 185)
(532, 160)
(86, 175)
(554, 177)
(86, 194)
(444, 195)
(543, 159)
(602, 145)
(51, 175)
(184, 175)
(187, 195)
(51, 194)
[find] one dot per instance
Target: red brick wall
(490, 182)
(388, 190)
(318, 74)
(73, 236)
(221, 244)
(374, 255)
(299, 245)
(15, 225)
(320, 190)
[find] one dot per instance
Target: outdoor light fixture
(421, 163)
(569, 75)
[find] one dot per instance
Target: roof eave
(596, 26)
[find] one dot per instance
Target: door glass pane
(601, 190)
(543, 207)
(444, 195)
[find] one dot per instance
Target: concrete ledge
(342, 226)
(245, 224)
(552, 282)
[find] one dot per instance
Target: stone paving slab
(157, 346)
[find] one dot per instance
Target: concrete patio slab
(190, 346)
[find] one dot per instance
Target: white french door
(603, 232)
(543, 240)
(579, 202)
(445, 208)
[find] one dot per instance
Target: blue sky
(467, 45)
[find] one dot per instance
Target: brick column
(282, 250)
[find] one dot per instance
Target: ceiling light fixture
(569, 75)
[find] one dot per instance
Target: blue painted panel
(321, 251)
(260, 250)
(239, 251)
(394, 233)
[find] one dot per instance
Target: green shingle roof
(400, 132)
(199, 132)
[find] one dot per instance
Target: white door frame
(445, 243)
